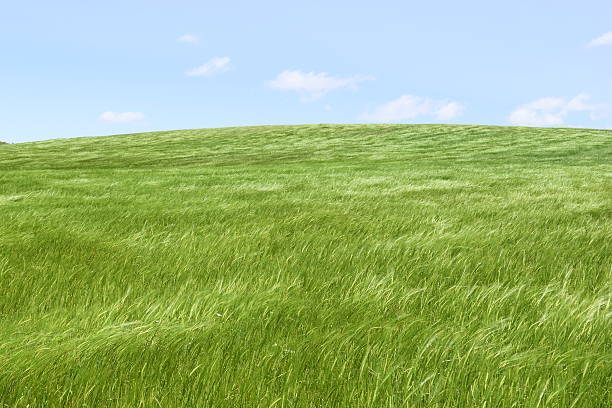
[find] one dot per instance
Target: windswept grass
(308, 266)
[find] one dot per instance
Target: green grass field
(308, 266)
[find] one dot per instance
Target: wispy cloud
(411, 107)
(552, 111)
(605, 39)
(313, 85)
(189, 39)
(121, 117)
(215, 65)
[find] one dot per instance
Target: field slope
(308, 266)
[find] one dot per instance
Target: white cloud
(121, 117)
(215, 65)
(313, 85)
(605, 39)
(554, 111)
(412, 106)
(449, 111)
(188, 38)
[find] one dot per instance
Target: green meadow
(308, 266)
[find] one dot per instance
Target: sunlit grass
(308, 266)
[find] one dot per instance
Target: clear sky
(85, 68)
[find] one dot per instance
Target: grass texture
(308, 266)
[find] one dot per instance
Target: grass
(308, 266)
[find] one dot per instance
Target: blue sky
(86, 68)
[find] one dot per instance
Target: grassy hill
(308, 266)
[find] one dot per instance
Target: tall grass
(308, 266)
